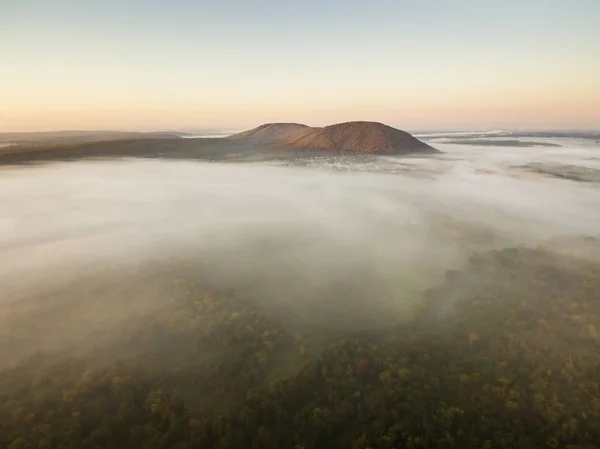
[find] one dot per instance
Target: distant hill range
(71, 137)
(361, 137)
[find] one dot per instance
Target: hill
(271, 141)
(72, 137)
(367, 137)
(274, 132)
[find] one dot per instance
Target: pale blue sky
(133, 64)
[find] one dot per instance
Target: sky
(234, 64)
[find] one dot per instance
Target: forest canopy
(504, 354)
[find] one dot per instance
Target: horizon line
(225, 130)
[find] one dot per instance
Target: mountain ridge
(358, 136)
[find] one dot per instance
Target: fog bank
(88, 245)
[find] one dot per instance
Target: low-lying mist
(88, 246)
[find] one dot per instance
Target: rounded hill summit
(359, 136)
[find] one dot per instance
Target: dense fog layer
(334, 243)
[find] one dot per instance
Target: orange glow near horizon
(430, 104)
(560, 113)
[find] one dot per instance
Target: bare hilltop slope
(367, 137)
(274, 132)
(362, 137)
